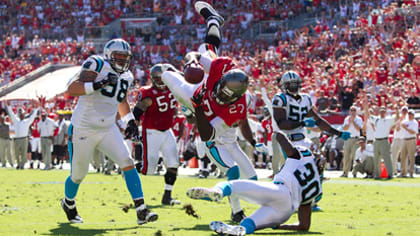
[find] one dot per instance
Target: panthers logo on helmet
(291, 82)
(118, 53)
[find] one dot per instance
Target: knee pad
(233, 173)
(170, 176)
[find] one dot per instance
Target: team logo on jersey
(154, 91)
(87, 65)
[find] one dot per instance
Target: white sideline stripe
(374, 183)
(62, 182)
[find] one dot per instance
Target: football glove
(111, 79)
(132, 130)
(310, 122)
(260, 147)
(198, 98)
(345, 135)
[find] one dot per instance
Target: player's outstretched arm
(322, 123)
(77, 87)
(247, 132)
(304, 215)
(286, 145)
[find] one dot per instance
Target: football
(193, 73)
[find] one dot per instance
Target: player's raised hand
(132, 130)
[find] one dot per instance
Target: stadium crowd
(357, 54)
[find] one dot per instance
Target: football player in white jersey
(102, 86)
(292, 111)
(294, 188)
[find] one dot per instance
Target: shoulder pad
(93, 63)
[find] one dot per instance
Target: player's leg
(113, 145)
(214, 21)
(152, 141)
(246, 169)
(203, 160)
(81, 147)
(221, 155)
(169, 152)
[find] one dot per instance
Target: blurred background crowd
(353, 53)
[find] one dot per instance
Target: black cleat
(71, 212)
(208, 12)
(144, 215)
(170, 201)
(238, 216)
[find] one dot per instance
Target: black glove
(132, 130)
(111, 79)
(198, 98)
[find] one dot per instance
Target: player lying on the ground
(102, 87)
(295, 187)
(219, 104)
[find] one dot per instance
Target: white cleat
(209, 12)
(208, 194)
(225, 229)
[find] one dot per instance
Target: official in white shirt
(353, 124)
(21, 127)
(381, 146)
(397, 140)
(363, 158)
(408, 149)
(46, 127)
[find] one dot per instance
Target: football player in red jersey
(267, 131)
(219, 104)
(157, 104)
(178, 128)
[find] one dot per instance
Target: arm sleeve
(205, 60)
(33, 115)
(11, 114)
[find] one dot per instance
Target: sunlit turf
(29, 204)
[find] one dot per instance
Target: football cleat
(208, 12)
(238, 216)
(71, 212)
(208, 194)
(144, 215)
(225, 229)
(170, 201)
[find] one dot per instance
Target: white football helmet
(114, 47)
(291, 82)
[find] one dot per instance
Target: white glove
(260, 147)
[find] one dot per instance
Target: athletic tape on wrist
(89, 88)
(128, 117)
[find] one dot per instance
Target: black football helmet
(230, 87)
(156, 76)
(291, 82)
(266, 112)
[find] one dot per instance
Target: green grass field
(29, 205)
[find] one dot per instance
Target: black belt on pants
(46, 137)
(409, 138)
(381, 138)
(19, 138)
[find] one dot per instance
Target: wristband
(137, 113)
(89, 88)
(128, 117)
